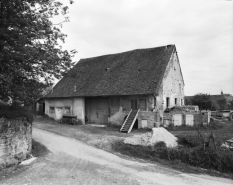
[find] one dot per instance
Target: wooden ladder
(129, 121)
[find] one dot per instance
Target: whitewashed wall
(172, 79)
(77, 107)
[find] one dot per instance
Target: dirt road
(73, 162)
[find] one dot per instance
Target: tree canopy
(30, 51)
(203, 101)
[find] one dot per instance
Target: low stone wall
(15, 141)
(151, 117)
(168, 118)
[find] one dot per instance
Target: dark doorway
(135, 126)
(167, 102)
(43, 108)
(134, 104)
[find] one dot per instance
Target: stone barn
(136, 85)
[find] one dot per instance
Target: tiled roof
(129, 73)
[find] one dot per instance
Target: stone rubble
(150, 138)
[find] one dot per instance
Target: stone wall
(168, 118)
(15, 141)
(151, 117)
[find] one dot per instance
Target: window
(175, 101)
(142, 104)
(181, 102)
(67, 111)
(167, 102)
(155, 102)
(51, 110)
(179, 87)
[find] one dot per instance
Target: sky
(202, 31)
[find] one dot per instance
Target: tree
(222, 103)
(203, 101)
(188, 101)
(30, 53)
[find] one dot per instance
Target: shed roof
(133, 72)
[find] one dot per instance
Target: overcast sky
(201, 30)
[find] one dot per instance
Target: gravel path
(73, 162)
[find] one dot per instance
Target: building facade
(104, 89)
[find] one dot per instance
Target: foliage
(222, 103)
(15, 111)
(230, 105)
(189, 141)
(30, 48)
(221, 160)
(216, 124)
(203, 101)
(160, 144)
(188, 101)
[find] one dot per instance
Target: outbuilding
(106, 88)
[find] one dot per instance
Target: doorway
(134, 104)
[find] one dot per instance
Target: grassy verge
(191, 160)
(190, 156)
(39, 150)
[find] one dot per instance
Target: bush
(13, 112)
(221, 160)
(215, 125)
(160, 144)
(190, 141)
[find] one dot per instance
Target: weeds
(192, 154)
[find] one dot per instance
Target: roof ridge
(140, 49)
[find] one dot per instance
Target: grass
(109, 138)
(169, 157)
(190, 157)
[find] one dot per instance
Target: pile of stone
(150, 138)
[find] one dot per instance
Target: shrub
(160, 144)
(13, 112)
(210, 158)
(190, 141)
(216, 125)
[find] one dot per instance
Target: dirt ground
(73, 162)
(100, 137)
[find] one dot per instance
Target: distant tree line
(210, 102)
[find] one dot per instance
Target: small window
(175, 101)
(181, 102)
(67, 111)
(167, 102)
(155, 101)
(51, 110)
(179, 87)
(142, 104)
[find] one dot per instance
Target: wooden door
(99, 110)
(189, 120)
(177, 119)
